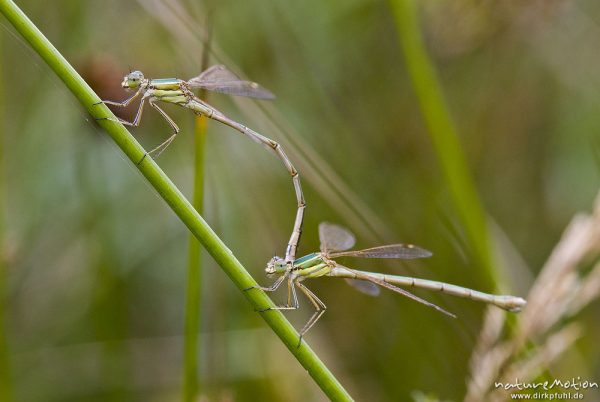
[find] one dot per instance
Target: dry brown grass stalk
(544, 331)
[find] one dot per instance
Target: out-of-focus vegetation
(94, 265)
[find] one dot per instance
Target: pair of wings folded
(337, 240)
(219, 79)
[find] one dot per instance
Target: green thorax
(168, 90)
(166, 83)
(308, 260)
(311, 266)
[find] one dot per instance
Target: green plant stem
(5, 376)
(443, 135)
(193, 307)
(177, 202)
(194, 280)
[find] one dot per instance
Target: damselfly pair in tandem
(335, 240)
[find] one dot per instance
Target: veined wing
(335, 237)
(365, 287)
(401, 251)
(219, 79)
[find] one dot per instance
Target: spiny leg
(290, 253)
(273, 287)
(161, 147)
(292, 303)
(136, 120)
(138, 117)
(319, 306)
(121, 104)
(291, 289)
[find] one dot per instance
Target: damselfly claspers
(179, 92)
(336, 242)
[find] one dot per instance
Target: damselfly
(336, 242)
(179, 92)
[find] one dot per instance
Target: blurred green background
(94, 263)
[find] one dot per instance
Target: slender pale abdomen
(506, 302)
(199, 107)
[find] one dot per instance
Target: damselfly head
(276, 265)
(132, 80)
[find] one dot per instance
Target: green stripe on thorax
(311, 266)
(166, 83)
(307, 260)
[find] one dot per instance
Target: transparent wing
(335, 237)
(219, 79)
(216, 73)
(364, 287)
(401, 251)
